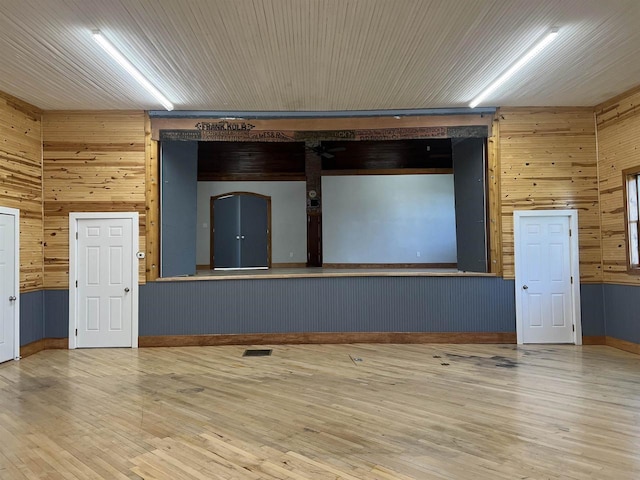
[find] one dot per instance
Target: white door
(7, 288)
(544, 288)
(105, 281)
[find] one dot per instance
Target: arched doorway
(240, 231)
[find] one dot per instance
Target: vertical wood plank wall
(152, 223)
(494, 200)
(548, 161)
(618, 125)
(92, 162)
(21, 182)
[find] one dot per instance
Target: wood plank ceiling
(316, 55)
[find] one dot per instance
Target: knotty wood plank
(93, 162)
(618, 149)
(548, 160)
(21, 183)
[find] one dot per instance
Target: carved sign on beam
(243, 132)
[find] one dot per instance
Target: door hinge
(571, 280)
(573, 328)
(76, 283)
(76, 235)
(76, 332)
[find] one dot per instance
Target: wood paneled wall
(618, 127)
(93, 162)
(548, 161)
(21, 182)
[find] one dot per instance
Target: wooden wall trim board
(152, 206)
(317, 272)
(325, 337)
(390, 171)
(32, 348)
(44, 344)
(623, 345)
(253, 177)
(494, 203)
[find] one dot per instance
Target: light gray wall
(288, 217)
(388, 219)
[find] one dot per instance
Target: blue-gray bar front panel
(346, 304)
(350, 304)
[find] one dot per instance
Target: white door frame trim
(73, 274)
(16, 277)
(574, 265)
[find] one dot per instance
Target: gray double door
(240, 231)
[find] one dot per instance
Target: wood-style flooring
(322, 412)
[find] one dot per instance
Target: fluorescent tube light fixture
(128, 66)
(550, 37)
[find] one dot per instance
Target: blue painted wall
(622, 312)
(346, 304)
(592, 310)
(56, 305)
(31, 317)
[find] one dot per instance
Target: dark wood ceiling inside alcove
(251, 161)
(220, 161)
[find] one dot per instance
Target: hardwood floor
(322, 412)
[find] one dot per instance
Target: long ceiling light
(550, 37)
(133, 71)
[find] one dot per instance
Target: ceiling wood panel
(316, 55)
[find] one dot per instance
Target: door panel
(253, 231)
(544, 280)
(240, 231)
(179, 180)
(471, 213)
(7, 286)
(226, 231)
(105, 281)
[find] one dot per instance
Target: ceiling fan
(325, 152)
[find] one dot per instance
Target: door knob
(12, 298)
(524, 287)
(126, 290)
